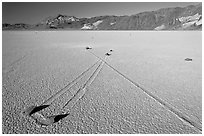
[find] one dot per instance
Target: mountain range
(177, 18)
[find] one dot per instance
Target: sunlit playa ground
(145, 85)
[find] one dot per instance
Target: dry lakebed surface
(151, 82)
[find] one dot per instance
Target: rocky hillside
(15, 26)
(187, 18)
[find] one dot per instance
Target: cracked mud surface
(36, 66)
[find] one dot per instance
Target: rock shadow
(56, 118)
(33, 109)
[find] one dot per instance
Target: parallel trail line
(171, 108)
(11, 66)
(40, 119)
(67, 87)
(18, 60)
(81, 92)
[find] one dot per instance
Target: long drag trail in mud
(81, 92)
(171, 108)
(67, 87)
(11, 66)
(40, 119)
(32, 109)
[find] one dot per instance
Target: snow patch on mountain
(97, 23)
(189, 18)
(73, 19)
(188, 24)
(113, 23)
(65, 18)
(60, 19)
(160, 27)
(90, 26)
(199, 22)
(87, 27)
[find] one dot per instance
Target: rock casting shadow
(56, 118)
(33, 109)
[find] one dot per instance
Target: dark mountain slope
(187, 18)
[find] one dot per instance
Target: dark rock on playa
(88, 48)
(108, 54)
(188, 59)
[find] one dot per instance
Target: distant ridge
(186, 18)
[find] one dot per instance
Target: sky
(34, 12)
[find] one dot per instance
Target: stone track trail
(81, 92)
(171, 108)
(67, 87)
(11, 67)
(32, 111)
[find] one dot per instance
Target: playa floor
(145, 86)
